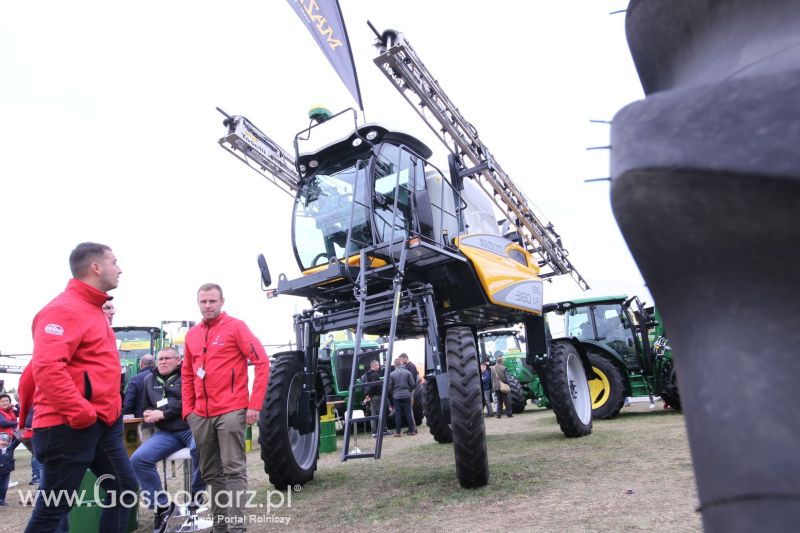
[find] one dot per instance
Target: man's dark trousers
(402, 408)
(66, 454)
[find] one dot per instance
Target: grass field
(631, 474)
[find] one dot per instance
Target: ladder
(255, 149)
(361, 295)
(398, 61)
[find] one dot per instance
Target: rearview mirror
(266, 279)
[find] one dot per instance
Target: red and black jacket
(221, 348)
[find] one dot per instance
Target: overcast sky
(109, 134)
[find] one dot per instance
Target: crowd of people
(71, 410)
(403, 381)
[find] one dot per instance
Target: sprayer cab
(366, 191)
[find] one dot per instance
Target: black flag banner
(323, 18)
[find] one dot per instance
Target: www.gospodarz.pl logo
(246, 499)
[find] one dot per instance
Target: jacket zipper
(233, 378)
(205, 359)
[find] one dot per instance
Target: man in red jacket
(77, 422)
(216, 402)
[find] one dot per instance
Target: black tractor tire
(607, 390)
(417, 406)
(325, 377)
(466, 408)
(568, 390)
(670, 393)
(434, 416)
(518, 400)
(289, 458)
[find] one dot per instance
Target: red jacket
(75, 361)
(9, 421)
(221, 348)
(25, 391)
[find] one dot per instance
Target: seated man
(163, 402)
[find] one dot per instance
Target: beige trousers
(223, 463)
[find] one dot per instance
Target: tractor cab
(132, 343)
(619, 323)
(500, 343)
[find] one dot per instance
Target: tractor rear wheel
(568, 390)
(417, 406)
(434, 416)
(466, 408)
(670, 393)
(290, 458)
(518, 400)
(607, 390)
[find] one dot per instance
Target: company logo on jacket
(54, 329)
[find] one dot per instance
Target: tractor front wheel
(518, 399)
(607, 390)
(289, 455)
(670, 393)
(568, 390)
(466, 408)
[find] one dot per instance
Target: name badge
(201, 372)
(162, 402)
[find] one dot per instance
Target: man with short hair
(216, 402)
(411, 367)
(401, 388)
(77, 423)
(372, 392)
(162, 392)
(134, 392)
(109, 310)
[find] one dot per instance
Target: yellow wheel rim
(599, 388)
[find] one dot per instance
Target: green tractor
(335, 366)
(626, 345)
(135, 341)
(132, 343)
(523, 380)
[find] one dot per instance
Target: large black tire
(568, 390)
(670, 393)
(607, 390)
(325, 376)
(518, 400)
(418, 406)
(289, 457)
(434, 416)
(466, 408)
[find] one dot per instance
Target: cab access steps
(361, 295)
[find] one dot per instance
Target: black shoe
(3, 504)
(163, 514)
(509, 416)
(34, 481)
(499, 416)
(198, 500)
